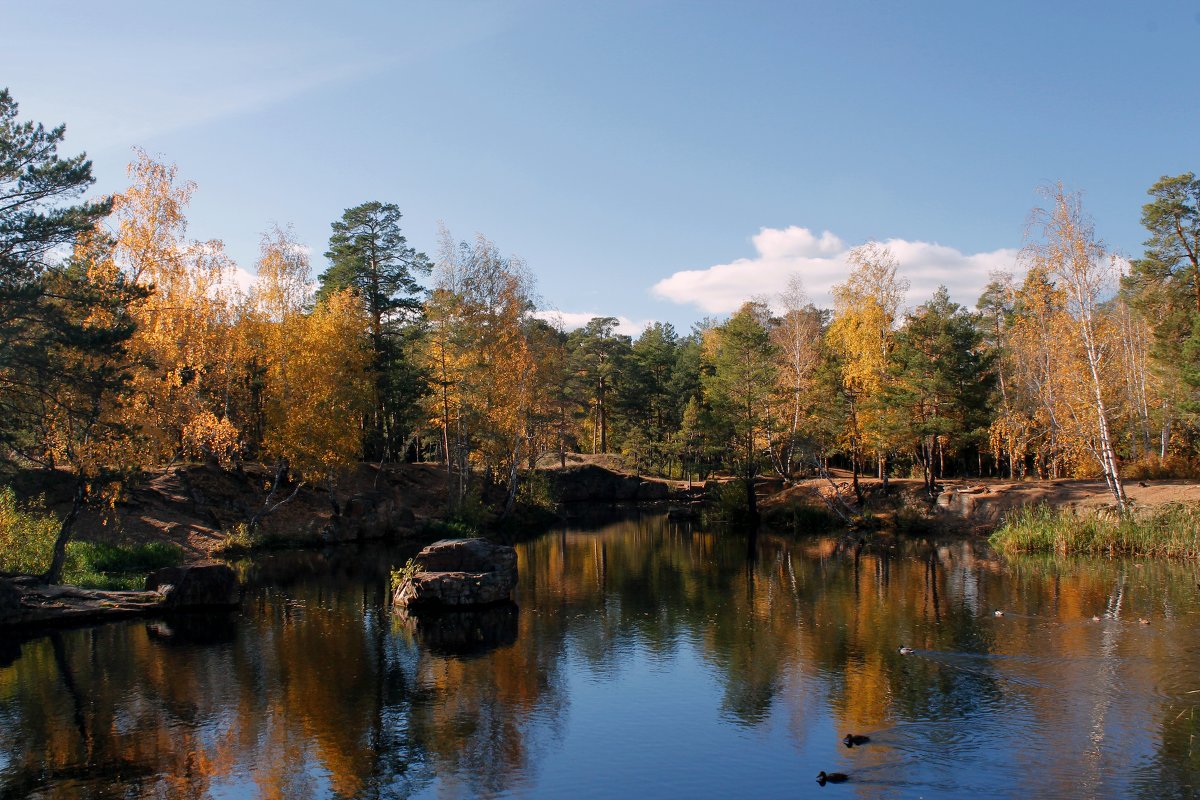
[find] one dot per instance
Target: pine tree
(738, 381)
(367, 252)
(36, 221)
(63, 324)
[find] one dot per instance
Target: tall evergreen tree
(37, 220)
(738, 381)
(597, 352)
(367, 252)
(1170, 268)
(63, 322)
(943, 379)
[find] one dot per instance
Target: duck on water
(831, 777)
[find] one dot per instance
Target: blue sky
(652, 160)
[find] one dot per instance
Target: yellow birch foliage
(188, 361)
(1050, 403)
(862, 333)
(316, 397)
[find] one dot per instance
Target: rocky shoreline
(199, 507)
(27, 603)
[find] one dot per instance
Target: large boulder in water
(204, 585)
(457, 573)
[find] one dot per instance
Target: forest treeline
(126, 345)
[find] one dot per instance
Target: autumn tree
(318, 391)
(1035, 362)
(480, 350)
(313, 371)
(1068, 250)
(368, 252)
(798, 337)
(861, 336)
(190, 367)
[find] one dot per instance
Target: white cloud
(797, 242)
(572, 320)
(820, 263)
(241, 280)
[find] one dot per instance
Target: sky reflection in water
(646, 659)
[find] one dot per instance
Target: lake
(643, 658)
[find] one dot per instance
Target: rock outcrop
(594, 484)
(459, 573)
(204, 585)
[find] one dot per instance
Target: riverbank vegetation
(1170, 531)
(27, 538)
(125, 345)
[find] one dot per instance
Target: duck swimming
(998, 613)
(906, 651)
(855, 738)
(831, 777)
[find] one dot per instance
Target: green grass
(1170, 531)
(99, 565)
(27, 533)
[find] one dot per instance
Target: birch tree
(1067, 249)
(798, 338)
(862, 335)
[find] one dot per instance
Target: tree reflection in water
(316, 689)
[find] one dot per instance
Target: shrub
(806, 518)
(399, 576)
(728, 502)
(449, 529)
(27, 534)
(1150, 467)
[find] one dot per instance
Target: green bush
(27, 533)
(242, 539)
(728, 502)
(449, 529)
(535, 491)
(399, 576)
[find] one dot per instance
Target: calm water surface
(646, 659)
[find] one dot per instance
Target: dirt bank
(977, 506)
(197, 507)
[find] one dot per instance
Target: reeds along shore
(1170, 531)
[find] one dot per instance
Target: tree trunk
(603, 420)
(751, 500)
(59, 560)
